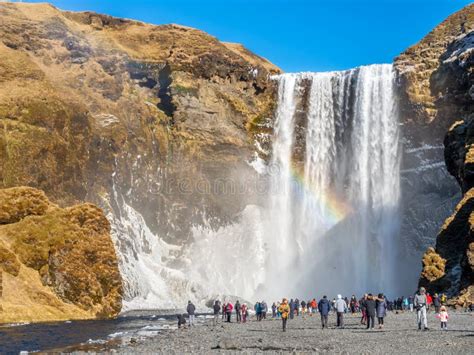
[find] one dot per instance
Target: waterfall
(327, 224)
(332, 219)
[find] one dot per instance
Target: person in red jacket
(429, 301)
(228, 310)
(314, 306)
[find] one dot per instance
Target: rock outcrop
(56, 263)
(417, 65)
(450, 266)
(429, 192)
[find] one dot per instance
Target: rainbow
(332, 206)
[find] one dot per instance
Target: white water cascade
(328, 224)
(332, 220)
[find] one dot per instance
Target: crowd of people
(369, 306)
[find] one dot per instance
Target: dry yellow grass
(57, 263)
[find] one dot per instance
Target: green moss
(184, 90)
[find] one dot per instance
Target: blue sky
(296, 35)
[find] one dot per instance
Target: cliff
(429, 192)
(55, 263)
(449, 267)
(154, 124)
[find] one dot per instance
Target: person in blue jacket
(324, 308)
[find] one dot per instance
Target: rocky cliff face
(429, 193)
(449, 267)
(56, 263)
(155, 124)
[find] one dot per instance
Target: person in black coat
(238, 312)
(324, 308)
(370, 308)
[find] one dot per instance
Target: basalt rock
(433, 87)
(56, 263)
(452, 86)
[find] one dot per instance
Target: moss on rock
(70, 249)
(19, 202)
(433, 265)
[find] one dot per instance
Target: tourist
(292, 308)
(224, 307)
(429, 301)
(353, 304)
(297, 307)
(258, 311)
(370, 308)
(398, 306)
(405, 304)
(303, 307)
(420, 306)
(238, 315)
(191, 309)
(363, 309)
(216, 308)
(314, 306)
(245, 312)
(284, 309)
(410, 303)
(324, 307)
(341, 308)
(381, 306)
(228, 308)
(278, 312)
(274, 310)
(443, 299)
(333, 305)
(443, 317)
(264, 309)
(181, 321)
(436, 303)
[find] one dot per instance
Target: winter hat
(339, 297)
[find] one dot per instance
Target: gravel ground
(304, 335)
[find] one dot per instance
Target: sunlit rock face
(429, 192)
(56, 263)
(172, 134)
(155, 124)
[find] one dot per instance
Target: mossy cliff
(99, 103)
(438, 80)
(56, 263)
(147, 122)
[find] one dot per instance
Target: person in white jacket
(341, 308)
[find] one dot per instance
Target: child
(443, 317)
(181, 320)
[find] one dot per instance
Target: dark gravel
(304, 335)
